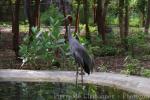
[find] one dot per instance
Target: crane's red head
(69, 18)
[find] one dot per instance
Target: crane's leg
(77, 75)
(82, 73)
(77, 79)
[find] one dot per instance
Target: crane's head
(69, 19)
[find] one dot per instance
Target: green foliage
(103, 68)
(113, 9)
(145, 57)
(112, 20)
(62, 91)
(146, 73)
(44, 44)
(85, 91)
(13, 1)
(141, 6)
(81, 11)
(132, 66)
(135, 40)
(105, 50)
(108, 50)
(53, 12)
(134, 21)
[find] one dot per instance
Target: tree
(33, 16)
(126, 23)
(64, 12)
(36, 16)
(101, 17)
(121, 19)
(86, 18)
(28, 10)
(94, 11)
(15, 26)
(141, 7)
(77, 18)
(148, 17)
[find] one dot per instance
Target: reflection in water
(61, 91)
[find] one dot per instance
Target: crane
(79, 53)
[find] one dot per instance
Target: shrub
(105, 50)
(52, 11)
(132, 66)
(44, 45)
(135, 40)
(146, 73)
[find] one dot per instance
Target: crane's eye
(69, 18)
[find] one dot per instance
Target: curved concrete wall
(138, 85)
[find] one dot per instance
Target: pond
(62, 91)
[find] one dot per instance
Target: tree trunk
(148, 17)
(101, 17)
(77, 18)
(124, 21)
(126, 24)
(94, 11)
(121, 19)
(64, 12)
(126, 31)
(105, 8)
(36, 17)
(33, 16)
(142, 19)
(29, 15)
(86, 19)
(15, 27)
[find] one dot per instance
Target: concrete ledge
(138, 85)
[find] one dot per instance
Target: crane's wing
(81, 56)
(84, 58)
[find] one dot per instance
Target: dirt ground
(8, 60)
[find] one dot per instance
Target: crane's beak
(68, 18)
(65, 19)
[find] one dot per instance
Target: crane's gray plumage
(79, 53)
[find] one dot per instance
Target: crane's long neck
(69, 32)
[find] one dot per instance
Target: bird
(80, 54)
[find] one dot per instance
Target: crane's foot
(81, 73)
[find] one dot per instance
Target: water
(62, 91)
